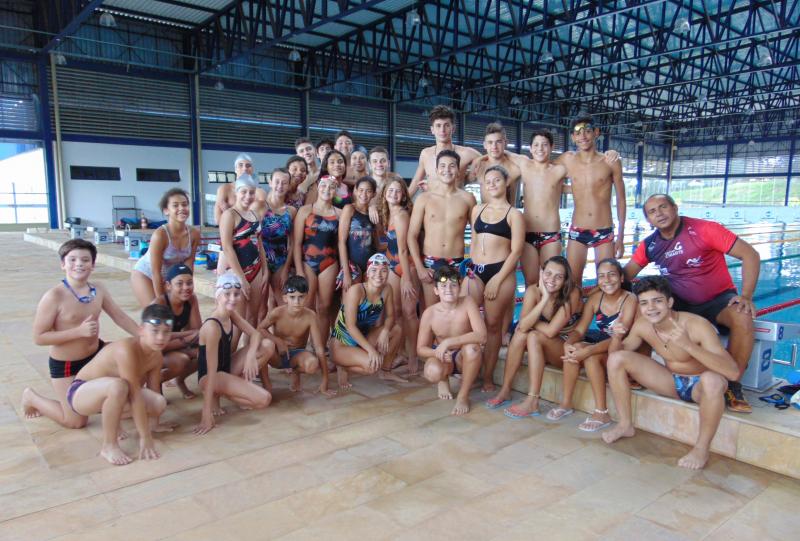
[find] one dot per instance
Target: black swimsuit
(223, 352)
(488, 271)
(604, 322)
(180, 321)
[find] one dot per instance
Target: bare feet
(399, 361)
(344, 384)
(114, 455)
(695, 459)
(488, 387)
(27, 407)
(620, 431)
(413, 366)
(443, 388)
(187, 394)
(294, 384)
(218, 410)
(164, 427)
(461, 407)
(388, 375)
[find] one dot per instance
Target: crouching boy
(451, 333)
(113, 382)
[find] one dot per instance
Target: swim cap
(244, 181)
(176, 270)
(377, 259)
(227, 281)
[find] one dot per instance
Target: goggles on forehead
(291, 289)
(155, 321)
(583, 126)
(445, 279)
(230, 285)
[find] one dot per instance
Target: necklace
(658, 335)
(85, 299)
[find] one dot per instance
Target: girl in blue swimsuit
(613, 311)
(365, 338)
(276, 236)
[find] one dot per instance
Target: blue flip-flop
(494, 406)
(513, 416)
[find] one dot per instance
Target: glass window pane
(757, 191)
(697, 192)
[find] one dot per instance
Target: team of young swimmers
(333, 264)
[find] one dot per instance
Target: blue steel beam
(47, 144)
(235, 34)
(69, 16)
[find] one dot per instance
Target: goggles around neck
(83, 299)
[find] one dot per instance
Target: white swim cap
(244, 181)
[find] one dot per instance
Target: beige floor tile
(158, 491)
(360, 523)
(694, 509)
(154, 523)
(60, 520)
(639, 528)
(411, 505)
(267, 521)
(45, 496)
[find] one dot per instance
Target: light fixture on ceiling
(764, 58)
(702, 99)
(638, 124)
(59, 59)
(294, 55)
(750, 111)
(682, 25)
(219, 86)
(546, 57)
(640, 144)
(720, 137)
(336, 101)
(413, 18)
(684, 131)
(423, 82)
(516, 100)
(751, 143)
(107, 20)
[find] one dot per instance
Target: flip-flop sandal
(556, 414)
(593, 425)
(494, 404)
(511, 415)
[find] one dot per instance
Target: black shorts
(68, 369)
(709, 309)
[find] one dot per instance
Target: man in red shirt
(690, 254)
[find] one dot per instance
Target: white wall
(91, 199)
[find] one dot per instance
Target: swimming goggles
(156, 321)
(444, 279)
(85, 299)
(292, 289)
(578, 128)
(230, 285)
